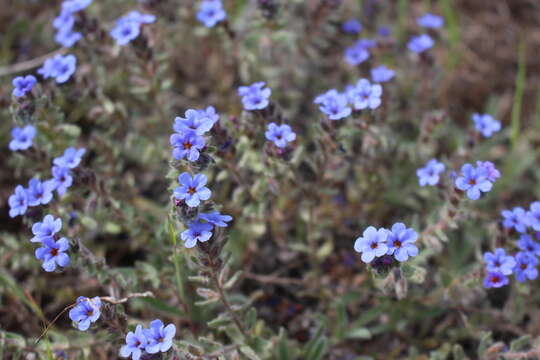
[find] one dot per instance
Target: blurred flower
(211, 12)
(495, 280)
(67, 38)
(128, 27)
(486, 124)
(498, 261)
(18, 202)
(23, 84)
(52, 253)
(372, 244)
(196, 231)
(71, 158)
(39, 192)
(86, 311)
(187, 145)
(75, 5)
(216, 218)
(430, 21)
(430, 174)
(400, 242)
(527, 244)
(46, 229)
(365, 95)
(489, 169)
(473, 181)
(65, 20)
(515, 218)
(255, 96)
(159, 337)
(333, 104)
(138, 17)
(22, 138)
(526, 266)
(421, 43)
(199, 121)
(358, 52)
(280, 134)
(533, 215)
(62, 179)
(135, 344)
(59, 67)
(384, 31)
(192, 189)
(352, 26)
(382, 74)
(209, 114)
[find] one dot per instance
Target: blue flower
(400, 242)
(527, 244)
(255, 96)
(372, 244)
(75, 5)
(211, 12)
(430, 174)
(216, 218)
(39, 192)
(384, 31)
(421, 43)
(334, 104)
(59, 67)
(499, 262)
(18, 202)
(23, 84)
(192, 189)
(62, 179)
(515, 218)
(199, 121)
(86, 312)
(352, 26)
(382, 74)
(430, 21)
(280, 134)
(46, 229)
(526, 266)
(533, 215)
(64, 21)
(488, 168)
(196, 231)
(22, 138)
(486, 124)
(473, 181)
(71, 158)
(139, 17)
(135, 344)
(128, 27)
(187, 145)
(159, 337)
(365, 95)
(495, 279)
(356, 53)
(52, 253)
(67, 38)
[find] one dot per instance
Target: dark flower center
(137, 343)
(161, 340)
(191, 190)
(374, 245)
(497, 264)
(54, 251)
(397, 243)
(278, 136)
(472, 181)
(187, 145)
(523, 266)
(89, 312)
(196, 234)
(495, 279)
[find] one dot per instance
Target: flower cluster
(85, 312)
(157, 338)
(188, 140)
(520, 220)
(65, 22)
(255, 96)
(128, 27)
(359, 51)
(52, 252)
(211, 12)
(486, 124)
(477, 180)
(399, 242)
(430, 173)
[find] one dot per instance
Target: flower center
(191, 190)
(472, 181)
(89, 312)
(187, 145)
(495, 279)
(374, 245)
(54, 251)
(523, 266)
(397, 243)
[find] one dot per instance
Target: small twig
(272, 279)
(29, 64)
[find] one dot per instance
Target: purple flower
(216, 218)
(489, 169)
(365, 95)
(62, 179)
(159, 337)
(22, 138)
(495, 280)
(527, 244)
(211, 12)
(64, 21)
(280, 134)
(196, 231)
(75, 5)
(515, 218)
(430, 21)
(473, 181)
(59, 67)
(199, 121)
(18, 202)
(255, 96)
(86, 312)
(67, 38)
(52, 253)
(135, 344)
(384, 31)
(187, 145)
(526, 266)
(382, 74)
(71, 158)
(430, 174)
(46, 229)
(486, 124)
(128, 27)
(533, 215)
(352, 26)
(400, 242)
(23, 84)
(334, 104)
(356, 54)
(499, 262)
(139, 17)
(372, 244)
(39, 192)
(421, 43)
(192, 189)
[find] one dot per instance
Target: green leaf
(282, 346)
(521, 343)
(485, 343)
